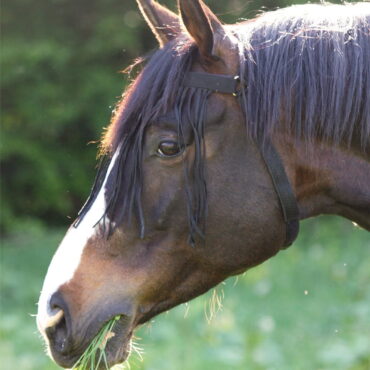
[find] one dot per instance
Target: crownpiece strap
(219, 83)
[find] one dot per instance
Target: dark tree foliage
(60, 62)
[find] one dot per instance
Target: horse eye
(168, 149)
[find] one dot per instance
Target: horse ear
(164, 23)
(204, 27)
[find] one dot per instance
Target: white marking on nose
(67, 257)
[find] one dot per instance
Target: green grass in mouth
(95, 354)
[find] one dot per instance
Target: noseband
(231, 85)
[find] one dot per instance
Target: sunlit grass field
(306, 308)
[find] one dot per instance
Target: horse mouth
(116, 343)
(116, 346)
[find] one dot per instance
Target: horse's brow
(166, 120)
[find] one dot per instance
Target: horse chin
(118, 347)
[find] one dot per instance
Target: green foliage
(306, 308)
(59, 83)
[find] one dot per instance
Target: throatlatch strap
(284, 191)
(218, 83)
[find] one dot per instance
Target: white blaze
(67, 257)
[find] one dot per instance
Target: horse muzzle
(67, 337)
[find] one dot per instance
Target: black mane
(307, 66)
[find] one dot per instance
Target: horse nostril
(56, 309)
(57, 303)
(56, 328)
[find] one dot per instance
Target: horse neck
(328, 179)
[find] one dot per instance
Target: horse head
(185, 195)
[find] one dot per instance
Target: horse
(226, 139)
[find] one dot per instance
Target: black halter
(231, 85)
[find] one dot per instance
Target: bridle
(232, 85)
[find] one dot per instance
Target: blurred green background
(308, 308)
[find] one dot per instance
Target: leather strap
(218, 83)
(229, 85)
(284, 191)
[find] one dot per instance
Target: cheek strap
(232, 85)
(284, 191)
